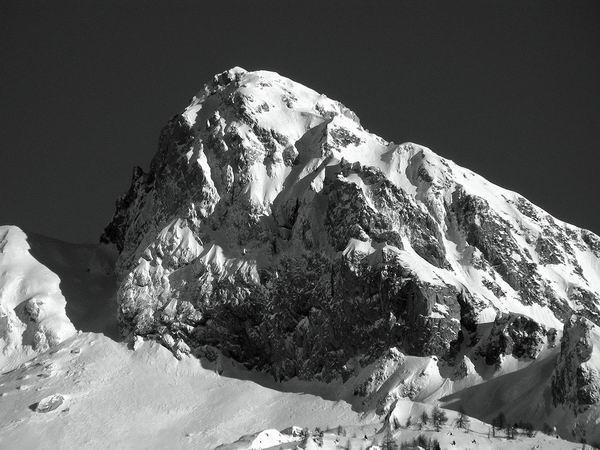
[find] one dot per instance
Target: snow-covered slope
(360, 437)
(560, 391)
(112, 397)
(32, 307)
(70, 396)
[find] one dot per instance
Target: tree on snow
(389, 443)
(463, 421)
(439, 418)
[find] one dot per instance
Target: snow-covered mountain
(274, 227)
(277, 248)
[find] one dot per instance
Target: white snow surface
(120, 399)
(112, 397)
(367, 437)
(32, 307)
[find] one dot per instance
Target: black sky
(509, 89)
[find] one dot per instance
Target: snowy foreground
(114, 397)
(120, 398)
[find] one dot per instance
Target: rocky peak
(273, 226)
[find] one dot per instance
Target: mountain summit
(275, 229)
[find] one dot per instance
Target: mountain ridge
(407, 170)
(273, 229)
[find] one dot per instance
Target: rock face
(32, 307)
(576, 378)
(273, 226)
(516, 335)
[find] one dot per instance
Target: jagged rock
(513, 334)
(575, 381)
(274, 227)
(383, 368)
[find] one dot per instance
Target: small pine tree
(304, 435)
(317, 436)
(422, 441)
(439, 418)
(463, 420)
(409, 422)
(389, 443)
(424, 418)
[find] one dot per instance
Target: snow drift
(32, 307)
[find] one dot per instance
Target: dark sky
(510, 89)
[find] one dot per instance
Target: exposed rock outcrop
(274, 227)
(513, 334)
(576, 378)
